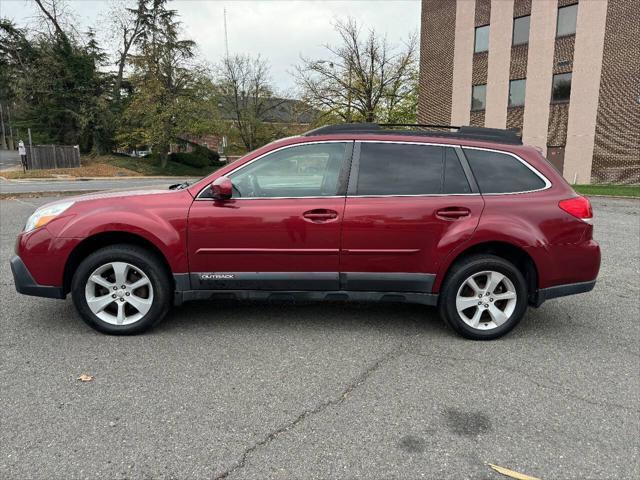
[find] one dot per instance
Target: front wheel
(121, 290)
(483, 297)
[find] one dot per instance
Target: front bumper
(26, 285)
(545, 294)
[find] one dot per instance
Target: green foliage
(200, 157)
(191, 159)
(151, 166)
(611, 190)
(211, 155)
(55, 86)
(171, 95)
(64, 87)
(55, 83)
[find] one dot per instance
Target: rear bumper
(26, 285)
(545, 294)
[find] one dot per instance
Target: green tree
(170, 91)
(53, 81)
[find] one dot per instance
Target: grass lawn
(117, 166)
(151, 166)
(613, 190)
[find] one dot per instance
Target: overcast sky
(276, 29)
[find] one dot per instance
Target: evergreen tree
(166, 82)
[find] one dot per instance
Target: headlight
(42, 216)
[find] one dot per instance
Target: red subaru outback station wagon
(468, 220)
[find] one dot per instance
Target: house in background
(564, 72)
(187, 143)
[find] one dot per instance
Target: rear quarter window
(497, 172)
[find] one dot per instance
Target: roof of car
(493, 135)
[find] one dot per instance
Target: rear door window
(400, 169)
(501, 173)
(455, 181)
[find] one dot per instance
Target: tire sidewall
(138, 258)
(453, 283)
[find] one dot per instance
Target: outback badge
(216, 276)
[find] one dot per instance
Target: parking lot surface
(263, 390)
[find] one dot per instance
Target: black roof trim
(498, 135)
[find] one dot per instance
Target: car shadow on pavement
(299, 317)
(392, 318)
(389, 318)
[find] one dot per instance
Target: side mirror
(222, 188)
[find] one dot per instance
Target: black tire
(140, 258)
(456, 277)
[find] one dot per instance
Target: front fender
(159, 219)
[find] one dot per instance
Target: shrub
(211, 155)
(191, 159)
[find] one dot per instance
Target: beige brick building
(564, 72)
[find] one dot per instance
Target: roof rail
(497, 135)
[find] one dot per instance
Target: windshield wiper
(179, 186)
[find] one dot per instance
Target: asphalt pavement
(83, 185)
(314, 391)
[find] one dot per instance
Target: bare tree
(56, 15)
(365, 78)
(246, 94)
(126, 26)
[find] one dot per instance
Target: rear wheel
(483, 297)
(121, 290)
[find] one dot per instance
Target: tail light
(579, 207)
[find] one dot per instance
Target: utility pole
(4, 134)
(226, 35)
(349, 96)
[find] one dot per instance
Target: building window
(561, 88)
(567, 17)
(521, 30)
(482, 39)
(516, 92)
(478, 97)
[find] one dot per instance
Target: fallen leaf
(86, 378)
(511, 473)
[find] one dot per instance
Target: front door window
(311, 170)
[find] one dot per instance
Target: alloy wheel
(486, 300)
(119, 293)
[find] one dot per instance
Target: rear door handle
(453, 213)
(320, 215)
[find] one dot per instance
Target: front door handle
(320, 215)
(453, 213)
